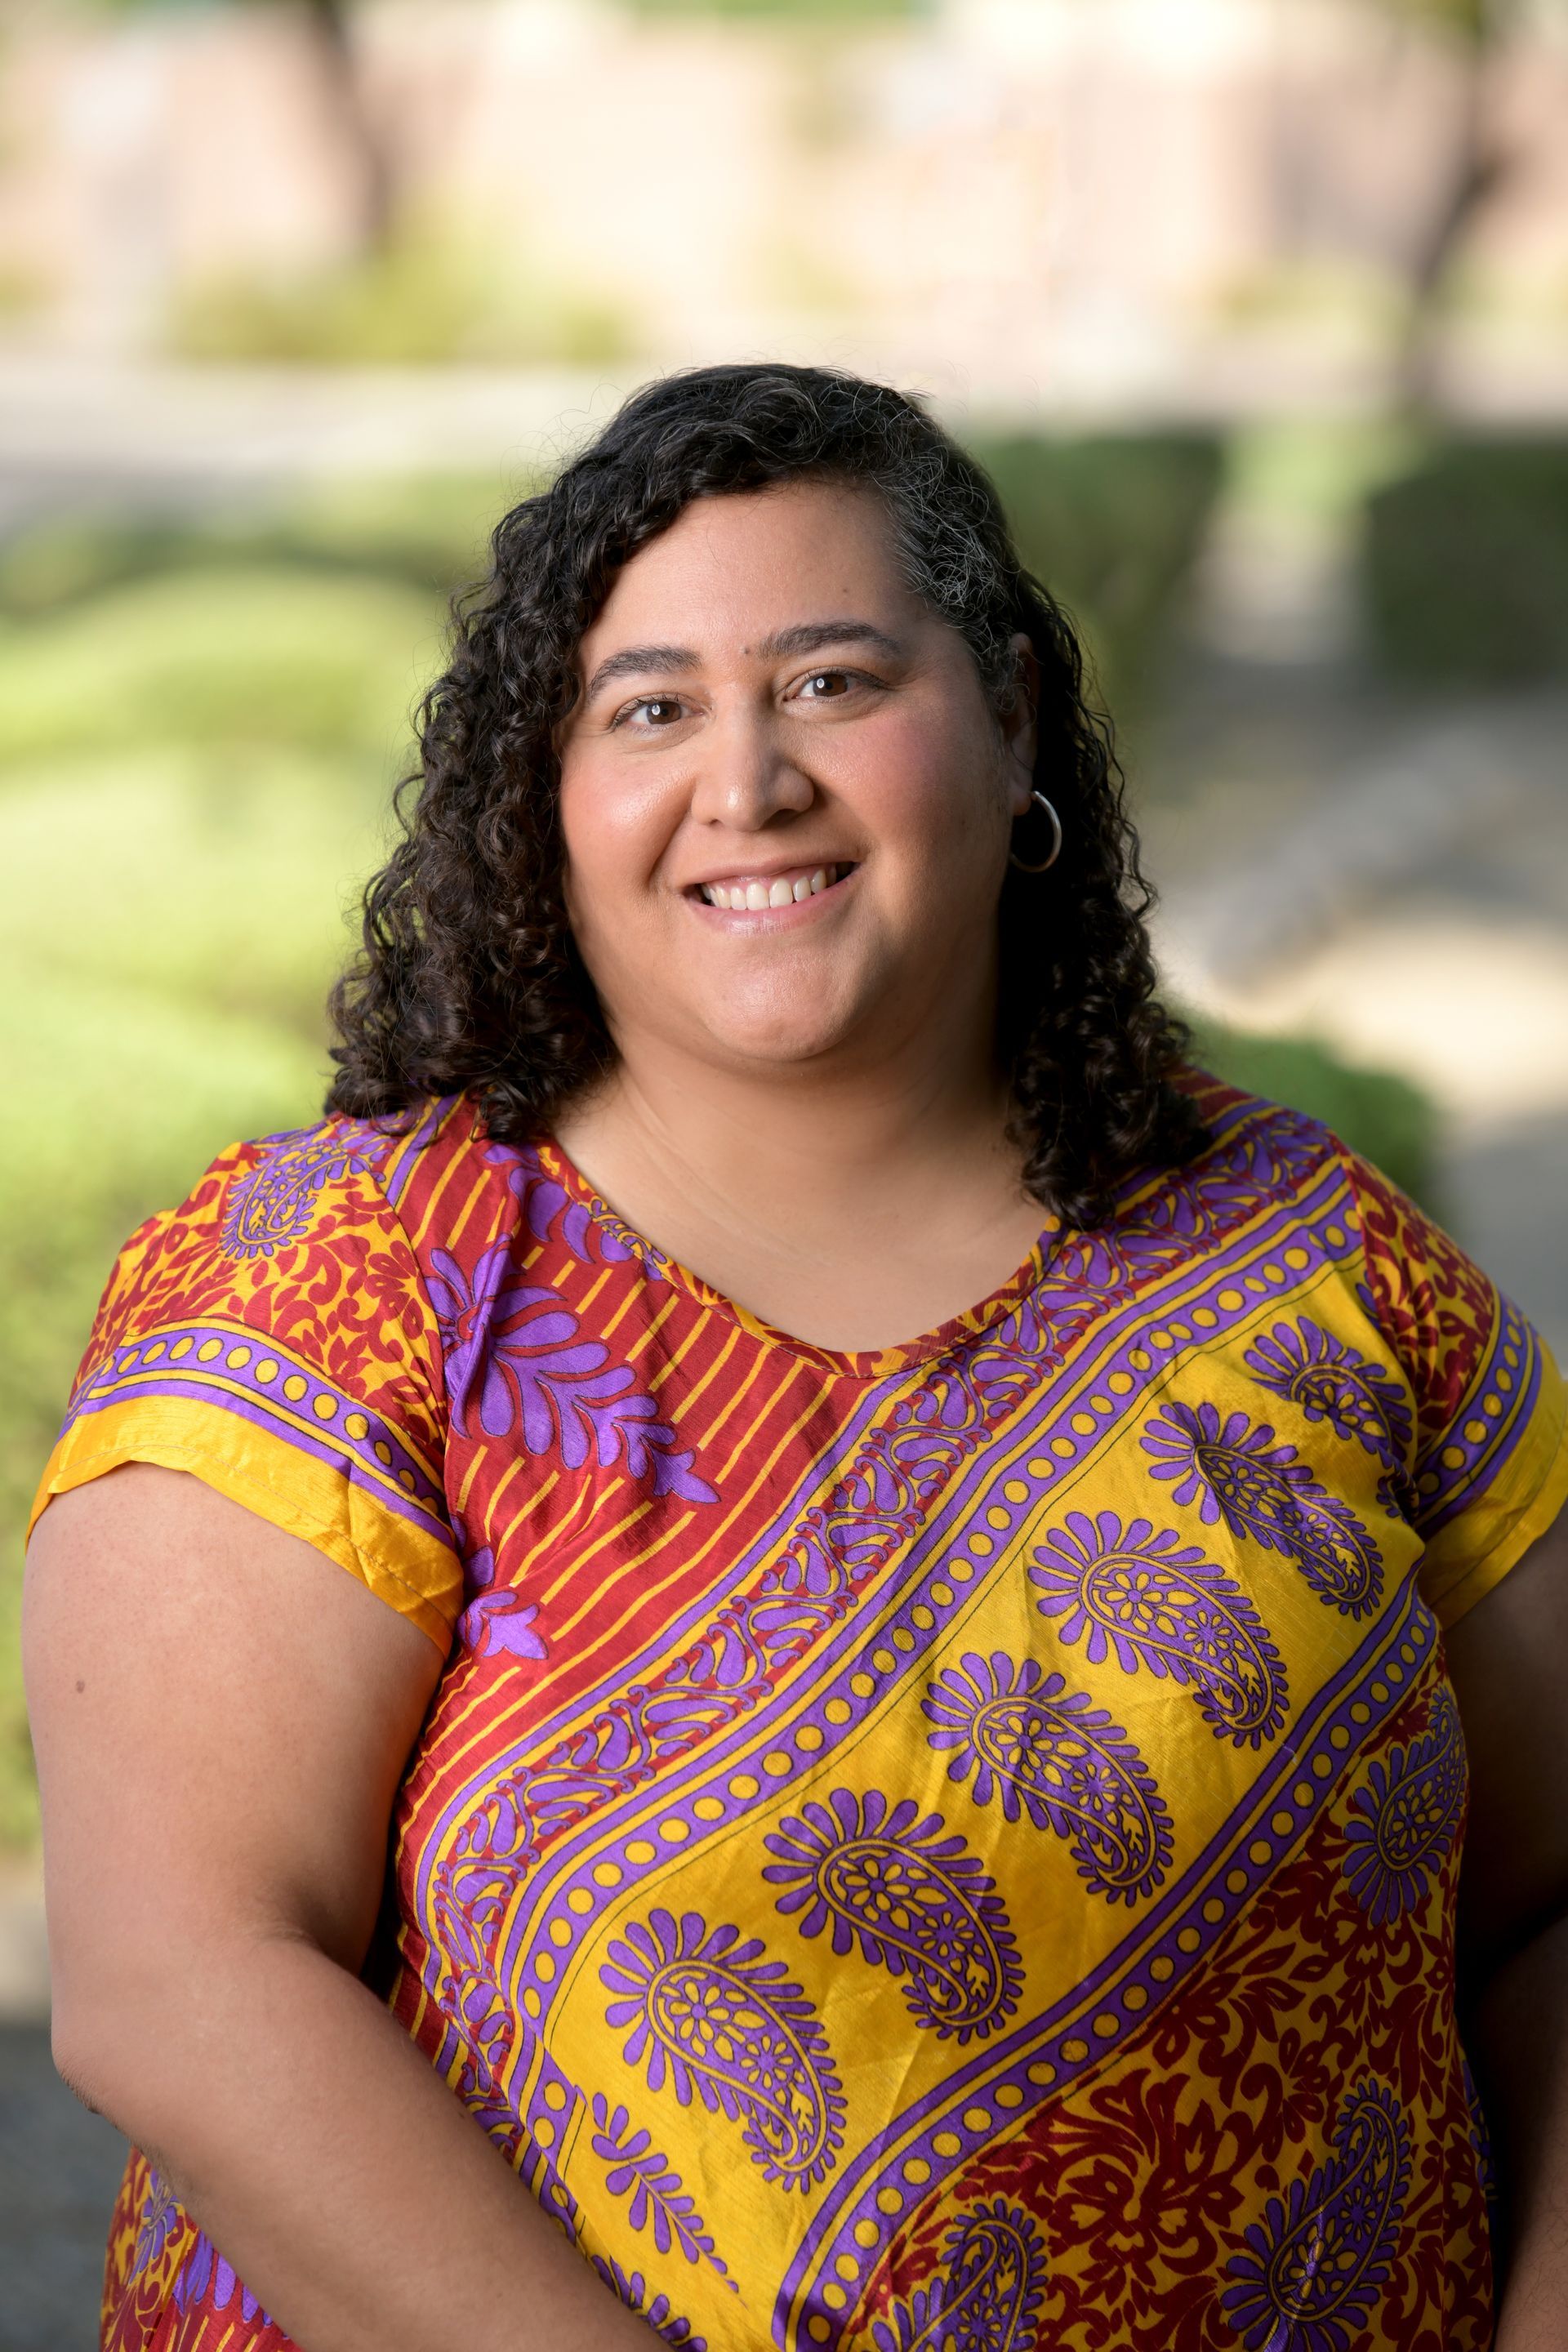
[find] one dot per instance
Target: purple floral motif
(655, 2309)
(1148, 1600)
(547, 1205)
(160, 2218)
(1405, 1816)
(1319, 2260)
(514, 1356)
(205, 2270)
(914, 1899)
(495, 1621)
(986, 2300)
(1236, 1472)
(1049, 1752)
(716, 2019)
(1330, 1383)
(659, 2196)
(273, 1203)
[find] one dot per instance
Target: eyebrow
(640, 661)
(805, 638)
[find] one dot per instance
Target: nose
(747, 774)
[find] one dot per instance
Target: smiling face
(786, 798)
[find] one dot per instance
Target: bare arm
(1507, 1659)
(221, 1717)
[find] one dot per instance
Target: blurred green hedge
(1112, 524)
(1466, 564)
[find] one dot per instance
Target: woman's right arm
(221, 1717)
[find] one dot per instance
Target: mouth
(765, 894)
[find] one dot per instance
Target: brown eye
(826, 684)
(661, 711)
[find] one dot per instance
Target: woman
(946, 1841)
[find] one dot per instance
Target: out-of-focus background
(1257, 308)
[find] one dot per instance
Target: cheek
(615, 831)
(931, 794)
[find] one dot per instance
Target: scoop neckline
(859, 1363)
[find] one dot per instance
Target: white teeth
(754, 897)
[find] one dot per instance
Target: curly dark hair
(469, 982)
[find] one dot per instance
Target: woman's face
(785, 796)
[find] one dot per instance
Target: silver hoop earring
(1024, 867)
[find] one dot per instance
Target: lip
(761, 919)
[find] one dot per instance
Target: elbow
(123, 2031)
(105, 2057)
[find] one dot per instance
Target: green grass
(252, 655)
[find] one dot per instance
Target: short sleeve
(1488, 1467)
(272, 1336)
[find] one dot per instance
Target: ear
(1016, 716)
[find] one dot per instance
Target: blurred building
(1101, 201)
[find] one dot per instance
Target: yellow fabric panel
(401, 1564)
(1455, 1575)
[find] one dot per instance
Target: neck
(800, 1149)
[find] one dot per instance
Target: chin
(782, 1026)
(779, 1044)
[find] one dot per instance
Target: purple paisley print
(1236, 1472)
(719, 2021)
(1148, 1600)
(1358, 1400)
(912, 1897)
(515, 1361)
(1317, 2261)
(986, 2299)
(1405, 1818)
(273, 1202)
(1049, 1753)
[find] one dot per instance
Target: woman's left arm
(1508, 1657)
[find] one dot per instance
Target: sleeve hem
(70, 1469)
(1529, 1523)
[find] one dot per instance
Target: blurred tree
(329, 24)
(1479, 158)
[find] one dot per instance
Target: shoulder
(1258, 1164)
(297, 1233)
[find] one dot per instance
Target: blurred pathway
(60, 2167)
(1387, 872)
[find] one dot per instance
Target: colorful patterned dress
(947, 1850)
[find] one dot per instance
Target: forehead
(740, 566)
